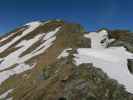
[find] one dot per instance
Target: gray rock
(130, 65)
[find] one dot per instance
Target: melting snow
(4, 95)
(9, 98)
(51, 34)
(14, 57)
(45, 45)
(32, 26)
(111, 60)
(100, 39)
(64, 53)
(4, 75)
(7, 37)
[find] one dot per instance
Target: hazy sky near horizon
(92, 14)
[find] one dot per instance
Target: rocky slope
(40, 61)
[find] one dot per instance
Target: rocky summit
(59, 60)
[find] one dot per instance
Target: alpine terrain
(59, 60)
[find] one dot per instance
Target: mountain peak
(33, 23)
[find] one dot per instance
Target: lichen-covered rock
(130, 65)
(67, 81)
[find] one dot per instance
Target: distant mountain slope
(43, 60)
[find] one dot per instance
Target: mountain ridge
(37, 63)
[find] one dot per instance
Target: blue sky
(92, 14)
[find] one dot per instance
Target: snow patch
(14, 57)
(99, 39)
(5, 94)
(10, 35)
(33, 23)
(45, 44)
(4, 75)
(11, 98)
(31, 26)
(64, 53)
(51, 33)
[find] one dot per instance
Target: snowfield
(112, 60)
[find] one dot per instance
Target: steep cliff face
(57, 60)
